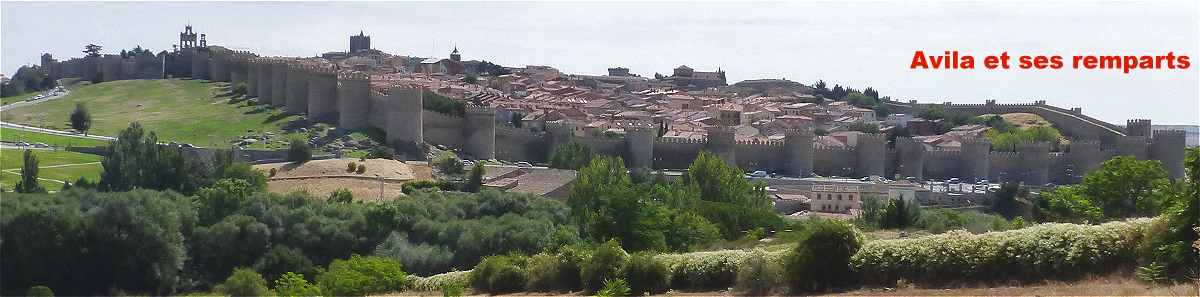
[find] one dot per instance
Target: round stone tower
(279, 76)
(252, 77)
(237, 68)
(354, 91)
(404, 130)
(479, 129)
(557, 133)
(1169, 147)
(219, 64)
(721, 141)
(200, 57)
(266, 74)
(798, 151)
(871, 153)
(297, 89)
(1138, 127)
(975, 158)
(912, 157)
(639, 142)
(1135, 146)
(322, 95)
(1035, 162)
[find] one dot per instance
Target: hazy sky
(858, 43)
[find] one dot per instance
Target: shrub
(647, 275)
(282, 259)
(272, 172)
(299, 151)
(543, 273)
(292, 284)
(413, 186)
(437, 282)
(416, 257)
(362, 167)
(39, 291)
(499, 274)
(707, 270)
(757, 276)
(614, 288)
(821, 260)
(448, 163)
(382, 152)
(350, 167)
(243, 282)
(341, 195)
(605, 263)
(360, 275)
(1046, 250)
(452, 290)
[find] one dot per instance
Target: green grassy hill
(189, 111)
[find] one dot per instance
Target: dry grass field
(321, 177)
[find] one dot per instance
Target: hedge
(434, 283)
(1042, 251)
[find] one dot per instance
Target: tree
(341, 195)
(244, 282)
(474, 179)
(1177, 247)
(1125, 186)
(281, 260)
(299, 151)
(214, 256)
(223, 198)
(29, 175)
(92, 50)
(136, 159)
(39, 291)
(81, 119)
(573, 155)
(821, 260)
(900, 214)
(448, 163)
(1067, 204)
(1005, 200)
(359, 276)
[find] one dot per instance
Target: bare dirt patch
(321, 177)
(363, 190)
(388, 169)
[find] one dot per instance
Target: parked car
(954, 180)
(759, 173)
(524, 165)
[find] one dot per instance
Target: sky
(856, 44)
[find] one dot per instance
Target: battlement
(720, 129)
(756, 142)
(819, 146)
(1033, 146)
(975, 141)
(479, 110)
(559, 125)
(679, 140)
(872, 138)
(806, 131)
(1172, 134)
(1003, 155)
(640, 127)
(1133, 122)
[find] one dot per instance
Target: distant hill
(1193, 132)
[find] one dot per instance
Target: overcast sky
(858, 44)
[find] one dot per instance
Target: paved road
(25, 103)
(55, 132)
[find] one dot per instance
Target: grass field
(55, 165)
(189, 111)
(17, 98)
(13, 135)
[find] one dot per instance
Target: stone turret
(354, 91)
(558, 133)
(253, 79)
(721, 142)
(279, 91)
(479, 130)
(1138, 127)
(974, 158)
(1035, 162)
(1136, 146)
(200, 57)
(90, 68)
(639, 142)
(322, 95)
(912, 157)
(110, 68)
(219, 64)
(237, 69)
(297, 89)
(1085, 155)
(871, 154)
(1169, 147)
(798, 151)
(404, 120)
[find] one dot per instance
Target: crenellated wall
(404, 112)
(760, 155)
(871, 155)
(1168, 147)
(1035, 162)
(279, 91)
(911, 155)
(676, 154)
(297, 89)
(798, 152)
(721, 142)
(219, 65)
(520, 144)
(354, 91)
(322, 95)
(480, 132)
(440, 128)
(200, 63)
(639, 146)
(833, 161)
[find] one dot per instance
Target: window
(839, 196)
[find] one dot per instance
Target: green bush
(243, 282)
(39, 291)
(821, 260)
(282, 259)
(757, 275)
(606, 263)
(647, 275)
(350, 167)
(292, 284)
(500, 274)
(707, 270)
(1036, 252)
(362, 167)
(448, 163)
(341, 195)
(417, 258)
(543, 273)
(412, 187)
(299, 151)
(614, 288)
(359, 276)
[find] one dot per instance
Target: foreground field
(189, 111)
(321, 177)
(14, 135)
(54, 167)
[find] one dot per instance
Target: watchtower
(558, 133)
(480, 132)
(975, 158)
(721, 142)
(912, 157)
(279, 74)
(359, 42)
(639, 142)
(798, 151)
(322, 94)
(265, 78)
(354, 91)
(297, 88)
(404, 121)
(1138, 127)
(871, 154)
(1169, 147)
(1035, 162)
(219, 64)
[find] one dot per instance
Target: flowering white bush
(706, 270)
(1033, 252)
(434, 283)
